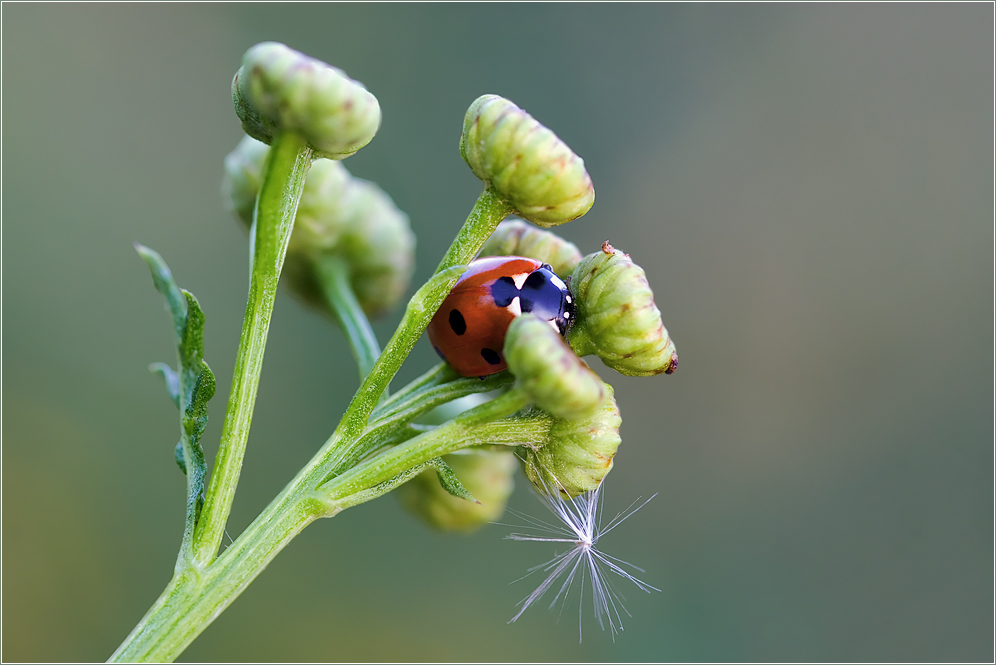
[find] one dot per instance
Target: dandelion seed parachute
(580, 526)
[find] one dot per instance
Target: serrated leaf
(171, 379)
(448, 479)
(190, 386)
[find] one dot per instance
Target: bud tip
(674, 363)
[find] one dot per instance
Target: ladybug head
(553, 299)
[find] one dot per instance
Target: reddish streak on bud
(674, 363)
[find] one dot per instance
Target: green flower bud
(337, 215)
(579, 454)
(557, 380)
(326, 208)
(488, 475)
(278, 89)
(355, 219)
(617, 319)
(525, 162)
(514, 237)
(381, 248)
(243, 178)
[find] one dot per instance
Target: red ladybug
(469, 329)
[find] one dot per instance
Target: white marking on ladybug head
(568, 298)
(558, 283)
(520, 279)
(515, 307)
(567, 315)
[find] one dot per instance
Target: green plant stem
(438, 375)
(200, 592)
(195, 597)
(419, 311)
(286, 166)
(455, 434)
(333, 276)
(485, 216)
(487, 213)
(389, 424)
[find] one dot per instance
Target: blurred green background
(810, 190)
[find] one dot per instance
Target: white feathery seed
(580, 528)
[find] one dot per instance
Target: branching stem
(346, 471)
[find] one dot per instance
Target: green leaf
(190, 387)
(448, 479)
(195, 415)
(192, 336)
(162, 279)
(171, 379)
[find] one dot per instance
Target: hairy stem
(195, 597)
(389, 423)
(485, 216)
(333, 276)
(200, 591)
(276, 207)
(444, 439)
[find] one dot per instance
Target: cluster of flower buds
(534, 173)
(339, 215)
(615, 318)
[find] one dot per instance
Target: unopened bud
(278, 89)
(486, 474)
(525, 162)
(324, 212)
(514, 237)
(338, 215)
(380, 247)
(243, 178)
(617, 319)
(579, 454)
(544, 366)
(354, 219)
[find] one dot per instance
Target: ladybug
(469, 329)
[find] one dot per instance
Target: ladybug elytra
(469, 329)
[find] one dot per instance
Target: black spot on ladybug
(491, 356)
(457, 323)
(536, 280)
(542, 295)
(504, 291)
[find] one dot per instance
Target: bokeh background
(810, 190)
